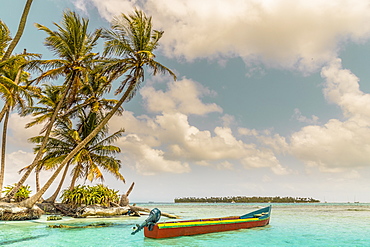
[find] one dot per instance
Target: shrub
(22, 194)
(90, 195)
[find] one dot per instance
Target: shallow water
(290, 225)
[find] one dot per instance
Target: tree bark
(55, 195)
(124, 198)
(130, 189)
(7, 109)
(20, 30)
(136, 209)
(3, 111)
(3, 146)
(74, 178)
(37, 179)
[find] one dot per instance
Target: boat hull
(203, 226)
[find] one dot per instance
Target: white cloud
(19, 159)
(168, 142)
(18, 135)
(303, 119)
(175, 143)
(107, 8)
(14, 162)
(225, 166)
(181, 96)
(148, 160)
(343, 89)
(288, 34)
(334, 146)
(228, 120)
(338, 145)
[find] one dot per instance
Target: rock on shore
(12, 211)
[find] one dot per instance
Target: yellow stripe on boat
(200, 223)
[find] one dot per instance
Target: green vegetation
(90, 195)
(93, 225)
(244, 199)
(23, 192)
(54, 217)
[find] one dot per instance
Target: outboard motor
(153, 218)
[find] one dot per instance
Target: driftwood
(113, 204)
(137, 209)
(172, 216)
(124, 198)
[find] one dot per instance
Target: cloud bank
(298, 35)
(289, 34)
(166, 141)
(338, 145)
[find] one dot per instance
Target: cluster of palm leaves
(75, 114)
(90, 195)
(23, 192)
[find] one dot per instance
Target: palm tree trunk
(20, 30)
(33, 199)
(55, 195)
(74, 178)
(37, 179)
(43, 145)
(3, 147)
(6, 109)
(3, 111)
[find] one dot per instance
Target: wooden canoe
(258, 218)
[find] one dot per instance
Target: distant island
(245, 199)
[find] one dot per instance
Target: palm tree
(95, 155)
(133, 38)
(43, 111)
(89, 97)
(20, 30)
(92, 92)
(5, 38)
(73, 44)
(15, 95)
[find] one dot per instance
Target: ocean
(319, 224)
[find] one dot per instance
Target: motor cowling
(150, 222)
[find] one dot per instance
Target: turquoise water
(290, 225)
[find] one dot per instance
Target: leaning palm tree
(133, 40)
(47, 102)
(16, 92)
(74, 45)
(88, 99)
(97, 154)
(42, 112)
(18, 35)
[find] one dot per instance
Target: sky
(272, 98)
